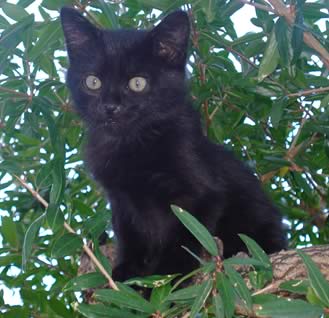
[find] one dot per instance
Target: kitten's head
(126, 79)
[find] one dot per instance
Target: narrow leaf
(90, 280)
(239, 285)
(317, 280)
(205, 289)
(122, 299)
(289, 309)
(227, 292)
(66, 245)
(256, 251)
(270, 59)
(199, 231)
(29, 238)
(55, 217)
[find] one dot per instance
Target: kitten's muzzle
(112, 108)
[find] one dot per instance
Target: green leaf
(199, 231)
(14, 11)
(108, 10)
(151, 281)
(105, 311)
(9, 231)
(297, 41)
(295, 286)
(55, 4)
(256, 251)
(317, 280)
(90, 280)
(219, 306)
(125, 300)
(240, 286)
(29, 238)
(57, 189)
(12, 36)
(226, 290)
(204, 292)
(49, 35)
(184, 294)
(55, 217)
(66, 245)
(277, 111)
(289, 309)
(270, 59)
(283, 40)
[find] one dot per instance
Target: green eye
(137, 84)
(93, 82)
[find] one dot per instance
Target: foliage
(264, 94)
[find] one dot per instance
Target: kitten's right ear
(80, 35)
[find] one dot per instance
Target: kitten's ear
(80, 35)
(170, 38)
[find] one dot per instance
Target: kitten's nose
(112, 108)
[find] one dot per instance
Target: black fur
(151, 152)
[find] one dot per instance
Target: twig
(87, 250)
(258, 6)
(309, 92)
(309, 39)
(12, 91)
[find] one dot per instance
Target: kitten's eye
(137, 84)
(93, 82)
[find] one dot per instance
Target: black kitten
(147, 149)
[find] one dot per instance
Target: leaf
(270, 59)
(55, 4)
(297, 41)
(226, 291)
(66, 245)
(104, 311)
(9, 231)
(295, 286)
(14, 11)
(90, 280)
(204, 292)
(289, 309)
(219, 306)
(11, 37)
(29, 238)
(49, 35)
(209, 9)
(277, 111)
(185, 294)
(153, 281)
(125, 300)
(256, 251)
(108, 10)
(55, 217)
(317, 280)
(199, 231)
(57, 189)
(239, 285)
(283, 40)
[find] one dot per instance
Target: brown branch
(258, 6)
(309, 92)
(86, 248)
(309, 39)
(12, 91)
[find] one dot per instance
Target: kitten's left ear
(80, 35)
(170, 38)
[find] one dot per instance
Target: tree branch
(309, 39)
(86, 248)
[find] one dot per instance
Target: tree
(265, 95)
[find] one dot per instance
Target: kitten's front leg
(131, 245)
